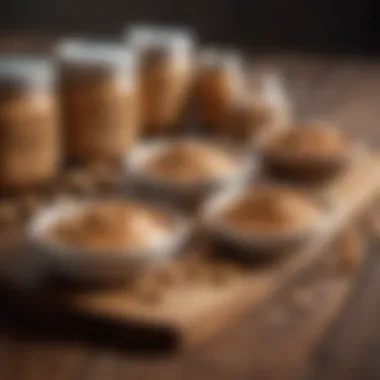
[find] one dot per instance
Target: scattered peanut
(106, 182)
(78, 182)
(8, 213)
(29, 204)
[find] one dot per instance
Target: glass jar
(165, 76)
(98, 100)
(263, 109)
(29, 133)
(218, 88)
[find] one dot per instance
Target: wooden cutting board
(198, 296)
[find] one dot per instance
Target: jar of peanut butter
(29, 136)
(98, 100)
(218, 88)
(262, 110)
(165, 76)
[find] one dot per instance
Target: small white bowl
(253, 244)
(186, 194)
(101, 266)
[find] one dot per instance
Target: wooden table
(343, 90)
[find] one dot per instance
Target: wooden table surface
(341, 89)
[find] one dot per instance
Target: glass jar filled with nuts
(166, 69)
(29, 135)
(219, 84)
(98, 100)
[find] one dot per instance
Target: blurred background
(333, 26)
(344, 91)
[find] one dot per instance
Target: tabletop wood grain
(341, 89)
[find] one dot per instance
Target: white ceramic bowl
(186, 194)
(85, 265)
(254, 244)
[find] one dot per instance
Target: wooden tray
(278, 340)
(208, 294)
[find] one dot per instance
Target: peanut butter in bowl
(313, 140)
(265, 218)
(107, 239)
(113, 226)
(189, 161)
(186, 170)
(315, 150)
(270, 210)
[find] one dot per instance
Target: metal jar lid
(26, 71)
(83, 56)
(176, 42)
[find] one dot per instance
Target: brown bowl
(283, 162)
